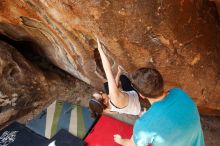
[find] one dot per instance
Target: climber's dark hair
(96, 107)
(148, 81)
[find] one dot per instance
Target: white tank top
(133, 107)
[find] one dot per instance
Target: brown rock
(16, 74)
(7, 115)
(169, 34)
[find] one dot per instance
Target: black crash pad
(64, 138)
(17, 134)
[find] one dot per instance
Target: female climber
(114, 100)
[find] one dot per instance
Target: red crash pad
(104, 130)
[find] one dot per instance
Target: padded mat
(18, 135)
(62, 115)
(64, 138)
(102, 133)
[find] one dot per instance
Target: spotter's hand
(118, 139)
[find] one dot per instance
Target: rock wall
(180, 38)
(21, 84)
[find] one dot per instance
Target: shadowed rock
(180, 38)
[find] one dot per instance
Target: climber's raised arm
(114, 92)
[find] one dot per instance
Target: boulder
(180, 38)
(22, 84)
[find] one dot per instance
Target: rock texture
(180, 38)
(21, 84)
(27, 86)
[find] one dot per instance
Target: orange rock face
(180, 38)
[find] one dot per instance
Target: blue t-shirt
(173, 121)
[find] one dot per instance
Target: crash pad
(62, 115)
(102, 133)
(64, 138)
(17, 134)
